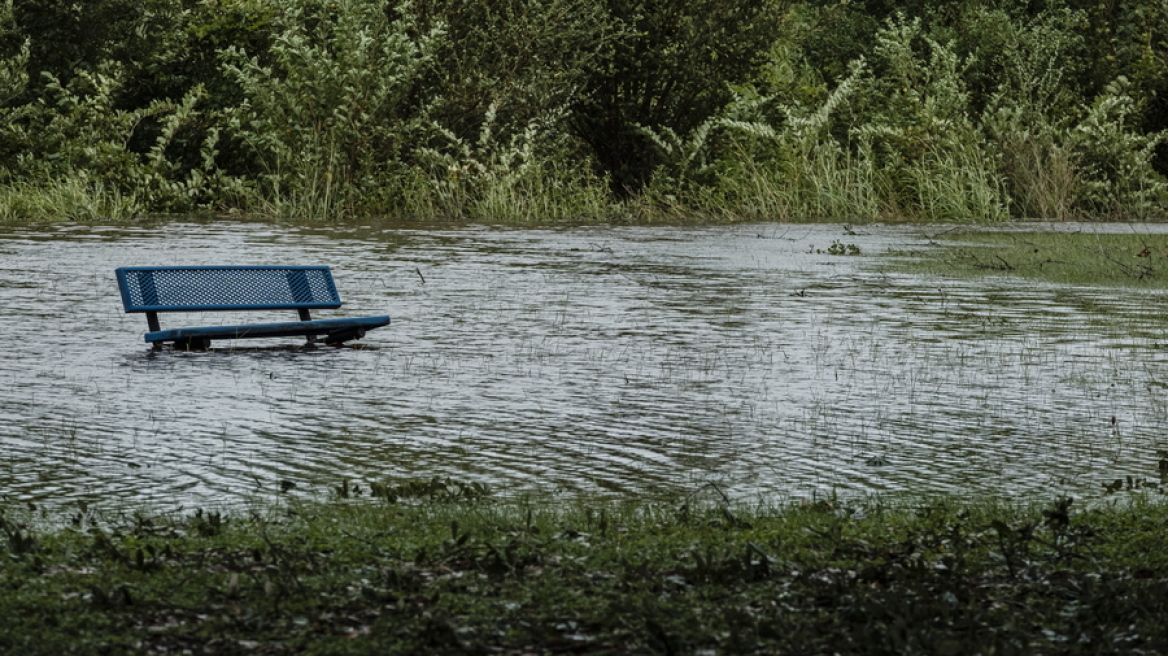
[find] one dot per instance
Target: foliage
(574, 110)
(929, 150)
(75, 149)
(76, 132)
(14, 55)
(518, 61)
(325, 120)
(66, 38)
(1029, 108)
(13, 68)
(796, 165)
(490, 178)
(915, 129)
(1116, 161)
(672, 72)
(74, 198)
(497, 148)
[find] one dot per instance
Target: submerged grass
(473, 576)
(1074, 258)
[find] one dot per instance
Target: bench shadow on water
(598, 361)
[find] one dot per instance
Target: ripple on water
(595, 360)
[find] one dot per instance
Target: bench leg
(192, 344)
(342, 336)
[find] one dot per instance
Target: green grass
(73, 199)
(373, 577)
(1079, 258)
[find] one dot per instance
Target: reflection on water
(599, 360)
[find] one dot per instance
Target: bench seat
(333, 330)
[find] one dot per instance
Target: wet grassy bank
(1135, 258)
(473, 576)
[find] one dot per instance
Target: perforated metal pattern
(218, 288)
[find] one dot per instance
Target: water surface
(594, 360)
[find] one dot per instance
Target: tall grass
(76, 199)
(509, 179)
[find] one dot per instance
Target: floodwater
(611, 361)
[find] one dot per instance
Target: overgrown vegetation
(576, 110)
(1129, 259)
(448, 576)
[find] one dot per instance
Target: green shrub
(14, 66)
(906, 136)
(496, 96)
(75, 198)
(521, 61)
(325, 121)
(1065, 158)
(78, 132)
(1115, 160)
(14, 54)
(672, 72)
(795, 167)
(68, 37)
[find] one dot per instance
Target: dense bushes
(521, 109)
(326, 109)
(673, 68)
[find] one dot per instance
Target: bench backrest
(196, 288)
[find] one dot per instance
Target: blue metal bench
(212, 288)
